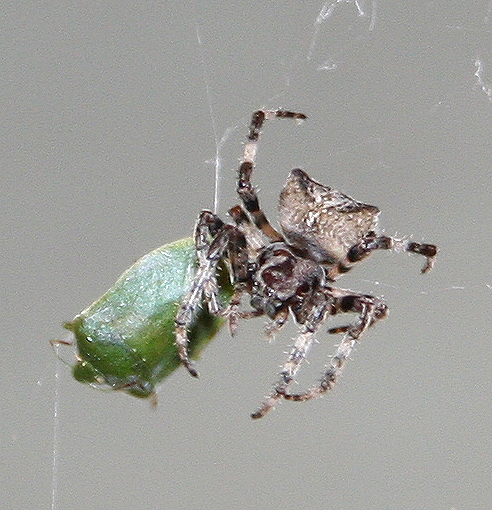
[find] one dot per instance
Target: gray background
(108, 117)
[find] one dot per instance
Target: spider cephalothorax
(324, 233)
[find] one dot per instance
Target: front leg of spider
(370, 310)
(212, 240)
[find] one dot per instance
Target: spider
(324, 233)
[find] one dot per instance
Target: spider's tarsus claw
(289, 113)
(339, 329)
(259, 414)
(191, 368)
(428, 250)
(428, 266)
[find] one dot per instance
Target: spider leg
(244, 187)
(349, 303)
(301, 346)
(208, 224)
(370, 310)
(234, 315)
(239, 250)
(278, 322)
(428, 250)
(253, 236)
(366, 246)
(204, 285)
(231, 313)
(296, 356)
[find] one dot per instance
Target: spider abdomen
(322, 221)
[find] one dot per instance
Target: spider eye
(302, 289)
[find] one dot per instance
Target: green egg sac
(125, 339)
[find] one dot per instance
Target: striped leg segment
(244, 187)
(366, 246)
(370, 310)
(225, 238)
(297, 355)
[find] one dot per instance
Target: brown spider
(324, 234)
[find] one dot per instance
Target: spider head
(282, 278)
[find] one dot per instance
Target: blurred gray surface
(108, 151)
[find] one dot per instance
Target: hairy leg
(296, 356)
(370, 310)
(244, 187)
(369, 244)
(204, 286)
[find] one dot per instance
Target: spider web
(336, 33)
